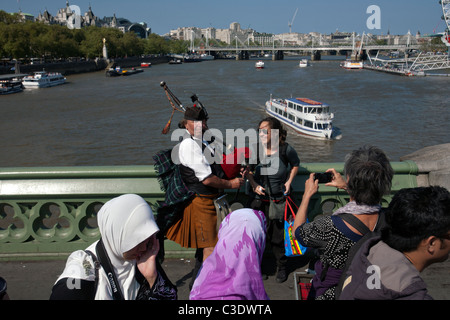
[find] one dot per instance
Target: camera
(324, 177)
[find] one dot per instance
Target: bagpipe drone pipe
(233, 159)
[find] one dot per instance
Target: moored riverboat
(305, 116)
(352, 64)
(11, 85)
(118, 71)
(175, 61)
(129, 72)
(192, 58)
(206, 57)
(43, 79)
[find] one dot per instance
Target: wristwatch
(2, 288)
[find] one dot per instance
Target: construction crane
(292, 21)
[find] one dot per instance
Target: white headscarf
(124, 222)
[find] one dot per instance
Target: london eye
(446, 17)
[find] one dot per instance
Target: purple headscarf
(233, 270)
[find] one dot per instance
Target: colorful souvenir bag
(292, 246)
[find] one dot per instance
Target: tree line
(25, 40)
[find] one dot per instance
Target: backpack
(176, 191)
(367, 234)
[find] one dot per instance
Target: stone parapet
(433, 163)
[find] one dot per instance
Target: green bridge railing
(46, 213)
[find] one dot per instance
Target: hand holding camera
(323, 177)
(333, 179)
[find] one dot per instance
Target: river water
(96, 120)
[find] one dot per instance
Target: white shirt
(191, 155)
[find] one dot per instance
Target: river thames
(94, 120)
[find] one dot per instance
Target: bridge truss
(430, 62)
(423, 62)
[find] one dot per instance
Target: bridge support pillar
(316, 56)
(278, 55)
(242, 55)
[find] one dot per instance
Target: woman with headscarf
(233, 270)
(128, 240)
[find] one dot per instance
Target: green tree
(179, 46)
(156, 45)
(7, 18)
(21, 40)
(131, 45)
(16, 42)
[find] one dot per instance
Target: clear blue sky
(272, 16)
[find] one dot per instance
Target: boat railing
(280, 101)
(325, 116)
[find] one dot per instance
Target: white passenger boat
(352, 64)
(305, 116)
(303, 63)
(11, 85)
(259, 65)
(43, 79)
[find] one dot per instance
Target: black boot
(281, 274)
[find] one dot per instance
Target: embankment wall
(67, 68)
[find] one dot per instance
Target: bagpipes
(232, 159)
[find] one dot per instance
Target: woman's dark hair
(275, 124)
(415, 214)
(369, 175)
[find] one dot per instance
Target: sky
(271, 16)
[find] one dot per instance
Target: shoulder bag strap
(96, 267)
(106, 264)
(355, 222)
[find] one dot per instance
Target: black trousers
(275, 233)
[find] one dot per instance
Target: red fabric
(304, 290)
(231, 164)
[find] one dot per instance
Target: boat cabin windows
(308, 124)
(291, 117)
(291, 105)
(314, 110)
(322, 126)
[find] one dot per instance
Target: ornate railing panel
(50, 212)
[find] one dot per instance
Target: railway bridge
(243, 52)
